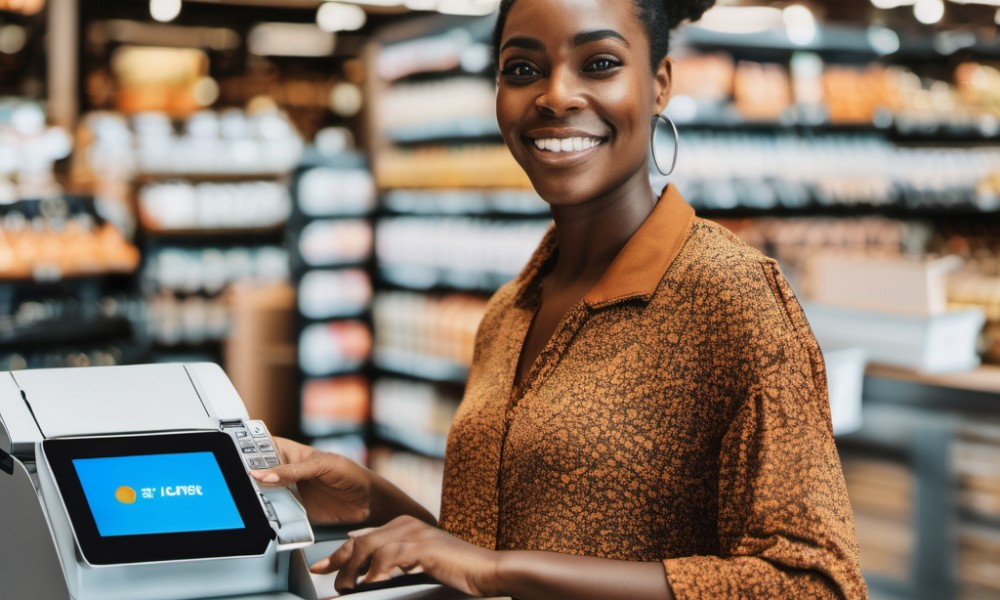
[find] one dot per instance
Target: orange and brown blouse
(679, 413)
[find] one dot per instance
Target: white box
(845, 374)
(934, 344)
(890, 284)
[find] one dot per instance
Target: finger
(355, 565)
(291, 473)
(360, 532)
(386, 562)
(334, 561)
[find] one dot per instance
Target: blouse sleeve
(785, 525)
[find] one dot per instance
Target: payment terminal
(127, 483)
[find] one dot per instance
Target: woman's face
(576, 96)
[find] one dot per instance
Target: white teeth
(575, 144)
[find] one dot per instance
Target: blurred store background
(316, 196)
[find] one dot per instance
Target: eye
(519, 70)
(602, 64)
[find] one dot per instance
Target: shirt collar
(637, 270)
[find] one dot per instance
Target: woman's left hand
(407, 544)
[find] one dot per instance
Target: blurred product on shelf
(229, 142)
(761, 91)
(28, 150)
(337, 405)
(43, 315)
(325, 191)
(711, 89)
(336, 242)
(332, 241)
(60, 237)
(450, 50)
(211, 270)
(185, 288)
(419, 476)
(467, 166)
(424, 335)
(333, 348)
(792, 241)
(186, 206)
(725, 170)
(169, 80)
(189, 321)
(448, 108)
(464, 202)
(881, 493)
(414, 414)
(461, 252)
(330, 294)
(60, 357)
(351, 446)
(976, 463)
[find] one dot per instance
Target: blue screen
(157, 493)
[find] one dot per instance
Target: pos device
(127, 483)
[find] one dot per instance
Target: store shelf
(419, 366)
(432, 446)
(250, 175)
(63, 331)
(419, 278)
(985, 378)
(455, 130)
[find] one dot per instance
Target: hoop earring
(658, 117)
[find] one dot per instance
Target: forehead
(559, 21)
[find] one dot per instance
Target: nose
(562, 94)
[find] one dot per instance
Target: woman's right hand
(333, 489)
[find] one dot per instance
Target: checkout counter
(131, 483)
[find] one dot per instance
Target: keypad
(254, 443)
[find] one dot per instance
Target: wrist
(493, 573)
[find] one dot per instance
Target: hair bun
(686, 10)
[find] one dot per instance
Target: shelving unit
(331, 242)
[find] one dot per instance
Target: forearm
(389, 502)
(544, 575)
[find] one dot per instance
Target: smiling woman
(646, 414)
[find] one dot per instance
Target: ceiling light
(334, 16)
(929, 12)
(164, 11)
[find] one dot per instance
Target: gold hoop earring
(652, 142)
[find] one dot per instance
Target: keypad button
(270, 461)
(249, 450)
(257, 429)
(247, 444)
(255, 463)
(265, 446)
(242, 433)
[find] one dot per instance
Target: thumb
(289, 474)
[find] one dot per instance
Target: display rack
(331, 240)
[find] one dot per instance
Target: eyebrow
(581, 39)
(587, 37)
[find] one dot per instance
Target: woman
(646, 413)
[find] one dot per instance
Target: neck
(590, 235)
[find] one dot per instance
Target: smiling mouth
(573, 144)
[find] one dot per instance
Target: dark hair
(659, 17)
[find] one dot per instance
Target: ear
(664, 77)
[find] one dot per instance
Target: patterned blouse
(679, 413)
